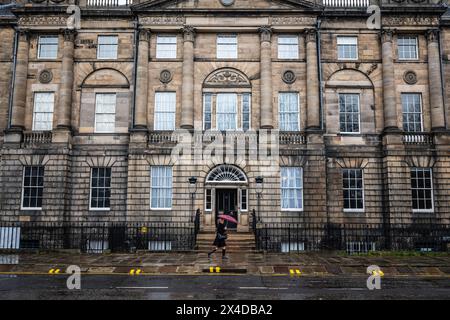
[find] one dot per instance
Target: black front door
(226, 202)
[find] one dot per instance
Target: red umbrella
(228, 218)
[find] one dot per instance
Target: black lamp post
(192, 190)
(259, 189)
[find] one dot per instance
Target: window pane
(291, 187)
(422, 189)
(352, 187)
(43, 111)
(48, 47)
(107, 47)
(226, 110)
(412, 112)
(288, 111)
(165, 106)
(347, 48)
(407, 47)
(227, 47)
(105, 112)
(161, 187)
(100, 191)
(349, 113)
(166, 47)
(32, 187)
(288, 47)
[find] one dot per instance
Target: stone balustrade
(417, 138)
(37, 137)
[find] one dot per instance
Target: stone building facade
(94, 106)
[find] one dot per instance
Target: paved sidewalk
(309, 264)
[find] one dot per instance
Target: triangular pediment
(218, 5)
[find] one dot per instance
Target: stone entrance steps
(236, 242)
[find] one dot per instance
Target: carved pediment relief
(227, 77)
(229, 5)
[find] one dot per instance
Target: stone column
(389, 95)
(140, 121)
(20, 82)
(65, 98)
(435, 81)
(187, 91)
(312, 81)
(266, 115)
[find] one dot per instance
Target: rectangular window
(161, 187)
(105, 112)
(291, 188)
(289, 111)
(246, 107)
(287, 47)
(407, 48)
(165, 106)
(227, 46)
(349, 113)
(43, 111)
(244, 200)
(32, 187)
(412, 112)
(207, 111)
(226, 111)
(353, 189)
(48, 47)
(100, 189)
(347, 48)
(208, 200)
(422, 189)
(166, 47)
(107, 47)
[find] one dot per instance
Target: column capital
(144, 34)
(69, 35)
(432, 35)
(387, 35)
(266, 33)
(188, 33)
(24, 32)
(310, 35)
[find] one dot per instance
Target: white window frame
(206, 200)
(52, 44)
(23, 189)
(151, 187)
(161, 52)
(220, 53)
(41, 112)
(249, 111)
(173, 94)
(359, 113)
(241, 192)
(347, 37)
(99, 45)
(417, 48)
(421, 109)
(237, 110)
(97, 113)
(356, 210)
(431, 210)
(301, 188)
(204, 110)
(280, 45)
(90, 191)
(298, 109)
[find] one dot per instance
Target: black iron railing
(352, 238)
(97, 238)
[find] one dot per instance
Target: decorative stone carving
(432, 35)
(310, 35)
(162, 20)
(227, 78)
(43, 20)
(45, 76)
(410, 77)
(289, 77)
(189, 33)
(387, 35)
(69, 35)
(266, 33)
(144, 35)
(372, 68)
(165, 76)
(227, 3)
(409, 21)
(293, 20)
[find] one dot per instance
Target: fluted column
(140, 121)
(435, 81)
(266, 78)
(389, 101)
(312, 81)
(187, 90)
(65, 99)
(20, 82)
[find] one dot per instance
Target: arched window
(226, 174)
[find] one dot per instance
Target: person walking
(219, 241)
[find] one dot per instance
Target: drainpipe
(13, 77)
(444, 98)
(319, 62)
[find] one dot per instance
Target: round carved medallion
(289, 77)
(165, 76)
(410, 77)
(227, 2)
(45, 76)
